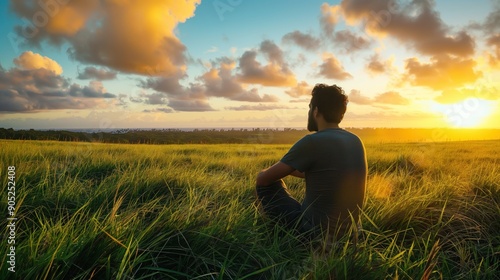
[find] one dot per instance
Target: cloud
(222, 83)
(95, 89)
(441, 72)
(41, 89)
(36, 85)
(56, 22)
(494, 42)
(192, 98)
(331, 68)
(254, 96)
(355, 96)
(391, 97)
(190, 105)
(156, 98)
(96, 74)
(168, 85)
(330, 16)
(260, 107)
(36, 80)
(301, 89)
(122, 100)
(345, 39)
(376, 66)
(416, 24)
(216, 82)
(273, 53)
(161, 110)
(492, 22)
(350, 41)
(128, 36)
(305, 41)
(31, 61)
(491, 30)
(136, 99)
(276, 73)
(164, 110)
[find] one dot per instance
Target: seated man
(332, 161)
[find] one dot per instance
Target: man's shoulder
(336, 132)
(328, 135)
(335, 135)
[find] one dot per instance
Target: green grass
(103, 211)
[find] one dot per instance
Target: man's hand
(272, 174)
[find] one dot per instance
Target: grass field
(103, 211)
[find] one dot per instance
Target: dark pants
(279, 205)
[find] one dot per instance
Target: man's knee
(270, 190)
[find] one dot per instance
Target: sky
(106, 64)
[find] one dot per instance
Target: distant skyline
(108, 64)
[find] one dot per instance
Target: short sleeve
(300, 155)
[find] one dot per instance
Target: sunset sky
(240, 63)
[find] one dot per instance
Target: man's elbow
(261, 180)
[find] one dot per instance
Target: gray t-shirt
(335, 168)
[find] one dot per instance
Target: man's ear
(316, 112)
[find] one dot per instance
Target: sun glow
(470, 112)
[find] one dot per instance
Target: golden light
(467, 113)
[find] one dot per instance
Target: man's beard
(311, 123)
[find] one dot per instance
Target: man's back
(334, 164)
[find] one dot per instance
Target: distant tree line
(162, 136)
(245, 136)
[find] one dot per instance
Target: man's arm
(298, 174)
(272, 174)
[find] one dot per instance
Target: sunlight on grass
(379, 186)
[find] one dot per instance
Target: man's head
(331, 104)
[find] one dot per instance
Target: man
(333, 163)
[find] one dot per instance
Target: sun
(468, 113)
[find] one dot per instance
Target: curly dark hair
(331, 102)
